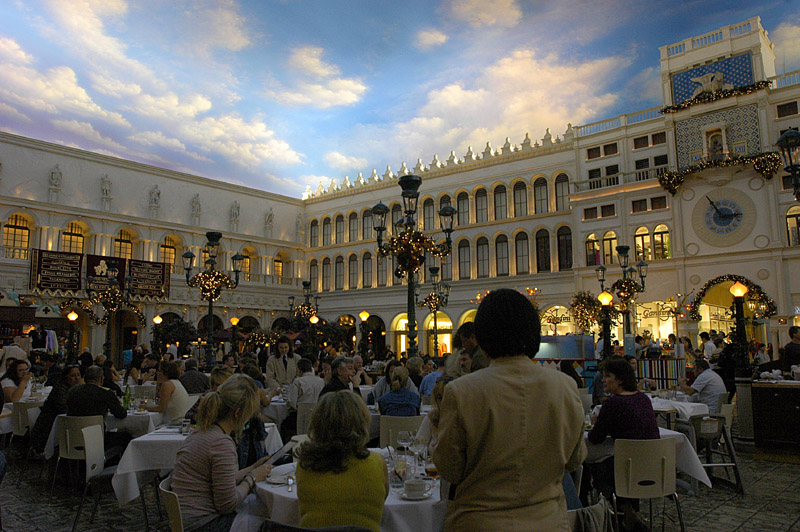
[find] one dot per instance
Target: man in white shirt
(708, 345)
(306, 387)
(708, 385)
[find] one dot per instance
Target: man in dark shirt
(91, 399)
(791, 351)
(343, 371)
(193, 380)
(55, 404)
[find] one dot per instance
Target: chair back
(304, 411)
(21, 413)
(394, 424)
(299, 439)
(708, 427)
(722, 399)
(427, 399)
(727, 413)
(644, 469)
(173, 505)
(70, 435)
(94, 450)
(144, 390)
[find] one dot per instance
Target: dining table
(32, 404)
(158, 451)
(277, 410)
(399, 514)
(135, 423)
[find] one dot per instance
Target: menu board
(148, 279)
(97, 267)
(56, 271)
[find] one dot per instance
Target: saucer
(422, 497)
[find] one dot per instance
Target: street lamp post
(157, 319)
(435, 300)
(739, 290)
(627, 287)
(211, 281)
(72, 316)
(234, 339)
(410, 245)
(363, 346)
(789, 144)
(606, 299)
(305, 309)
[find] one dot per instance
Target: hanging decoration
(410, 248)
(111, 299)
(211, 283)
(304, 310)
(626, 290)
(587, 311)
(259, 337)
(708, 97)
(767, 164)
(754, 292)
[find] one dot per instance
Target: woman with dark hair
(400, 401)
(282, 366)
(568, 369)
(173, 400)
(133, 374)
(626, 414)
(340, 482)
(108, 381)
(508, 433)
(15, 381)
(384, 384)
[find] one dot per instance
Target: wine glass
(419, 446)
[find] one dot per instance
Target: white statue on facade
(268, 223)
(105, 186)
(197, 209)
(298, 229)
(155, 196)
(55, 178)
(235, 211)
(711, 82)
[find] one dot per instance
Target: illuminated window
(592, 251)
(123, 245)
(793, 226)
(609, 247)
(277, 268)
(168, 253)
(661, 244)
(642, 244)
(72, 239)
(16, 237)
(244, 266)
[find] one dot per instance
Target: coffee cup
(415, 488)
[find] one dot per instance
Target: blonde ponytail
(237, 393)
(399, 378)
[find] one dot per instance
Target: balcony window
(16, 237)
(481, 206)
(500, 203)
(564, 243)
(520, 200)
(542, 251)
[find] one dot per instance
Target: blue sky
(280, 95)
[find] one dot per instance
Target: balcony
(645, 174)
(10, 252)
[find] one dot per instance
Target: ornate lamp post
(211, 281)
(72, 349)
(739, 290)
(627, 287)
(606, 299)
(305, 309)
(435, 300)
(789, 144)
(411, 245)
(157, 319)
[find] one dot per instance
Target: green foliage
(177, 331)
(587, 310)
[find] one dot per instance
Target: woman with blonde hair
(219, 374)
(206, 476)
(400, 401)
(335, 466)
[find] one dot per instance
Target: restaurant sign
(55, 271)
(148, 279)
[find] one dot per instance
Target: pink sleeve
(224, 465)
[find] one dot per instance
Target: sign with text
(148, 279)
(56, 271)
(97, 267)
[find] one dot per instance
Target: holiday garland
(587, 310)
(708, 97)
(410, 248)
(111, 300)
(626, 290)
(767, 164)
(211, 283)
(753, 292)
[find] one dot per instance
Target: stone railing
(729, 32)
(785, 80)
(620, 179)
(619, 121)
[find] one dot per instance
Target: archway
(202, 326)
(375, 332)
(444, 335)
(348, 321)
(247, 325)
(280, 324)
(169, 317)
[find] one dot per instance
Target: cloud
(646, 85)
(343, 162)
(13, 113)
(107, 84)
(211, 25)
(477, 13)
(54, 91)
(87, 131)
(170, 105)
(787, 44)
(156, 138)
(308, 61)
(429, 38)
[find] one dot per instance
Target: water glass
(185, 426)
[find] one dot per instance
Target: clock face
(723, 217)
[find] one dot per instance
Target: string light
(211, 283)
(770, 309)
(767, 164)
(410, 248)
(708, 97)
(586, 310)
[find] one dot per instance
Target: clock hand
(719, 212)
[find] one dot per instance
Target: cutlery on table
(290, 481)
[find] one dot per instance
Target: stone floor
(771, 503)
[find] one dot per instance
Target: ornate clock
(724, 217)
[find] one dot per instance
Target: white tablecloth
(399, 515)
(7, 421)
(136, 425)
(157, 451)
(684, 409)
(277, 410)
(686, 459)
(365, 390)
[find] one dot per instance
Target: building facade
(690, 186)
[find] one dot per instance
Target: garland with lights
(110, 299)
(708, 97)
(410, 248)
(626, 290)
(260, 337)
(433, 301)
(587, 310)
(754, 291)
(766, 163)
(304, 310)
(211, 283)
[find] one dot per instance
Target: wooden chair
(304, 411)
(722, 399)
(96, 471)
(391, 425)
(173, 505)
(70, 440)
(645, 469)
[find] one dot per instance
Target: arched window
(244, 266)
(481, 206)
(641, 242)
(522, 253)
(501, 255)
(313, 234)
(366, 270)
(793, 226)
(540, 196)
(592, 251)
(397, 215)
(463, 209)
(428, 215)
(562, 192)
(277, 269)
(17, 237)
(352, 271)
(463, 260)
(326, 274)
(353, 227)
(72, 240)
(500, 203)
(609, 247)
(339, 273)
(313, 275)
(339, 229)
(542, 250)
(444, 202)
(446, 264)
(482, 252)
(520, 199)
(123, 245)
(326, 232)
(661, 244)
(382, 267)
(366, 225)
(564, 243)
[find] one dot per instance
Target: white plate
(277, 480)
(418, 498)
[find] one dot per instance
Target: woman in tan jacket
(509, 432)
